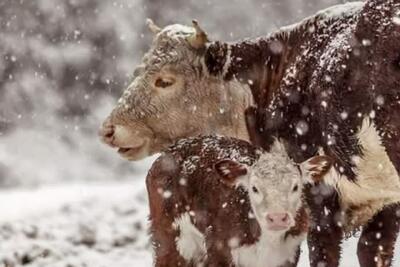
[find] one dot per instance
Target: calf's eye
(164, 83)
(255, 190)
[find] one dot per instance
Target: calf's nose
(278, 221)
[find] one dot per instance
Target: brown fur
(204, 194)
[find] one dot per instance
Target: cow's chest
(377, 184)
(269, 251)
(362, 201)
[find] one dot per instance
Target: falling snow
(66, 199)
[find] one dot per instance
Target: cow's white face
(172, 97)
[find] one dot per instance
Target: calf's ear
(314, 169)
(230, 171)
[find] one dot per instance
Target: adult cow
(314, 85)
(187, 86)
(336, 87)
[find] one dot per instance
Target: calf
(219, 201)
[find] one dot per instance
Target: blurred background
(63, 65)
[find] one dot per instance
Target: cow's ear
(230, 171)
(314, 169)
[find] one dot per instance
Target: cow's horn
(152, 26)
(199, 38)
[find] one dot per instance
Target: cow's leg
(324, 246)
(325, 233)
(376, 244)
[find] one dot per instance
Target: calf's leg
(218, 252)
(296, 260)
(162, 216)
(165, 252)
(376, 244)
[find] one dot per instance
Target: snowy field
(87, 225)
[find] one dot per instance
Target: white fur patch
(377, 184)
(228, 61)
(270, 251)
(190, 243)
(309, 170)
(336, 11)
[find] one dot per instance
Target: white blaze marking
(228, 61)
(191, 242)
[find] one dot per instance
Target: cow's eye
(255, 190)
(295, 188)
(164, 83)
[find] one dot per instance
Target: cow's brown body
(314, 92)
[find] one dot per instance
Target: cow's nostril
(109, 134)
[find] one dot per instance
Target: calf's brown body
(183, 181)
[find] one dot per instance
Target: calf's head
(172, 96)
(274, 185)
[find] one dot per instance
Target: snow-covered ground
(87, 225)
(75, 225)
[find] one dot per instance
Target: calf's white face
(275, 192)
(274, 185)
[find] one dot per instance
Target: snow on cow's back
(330, 13)
(325, 40)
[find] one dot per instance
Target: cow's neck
(229, 112)
(261, 63)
